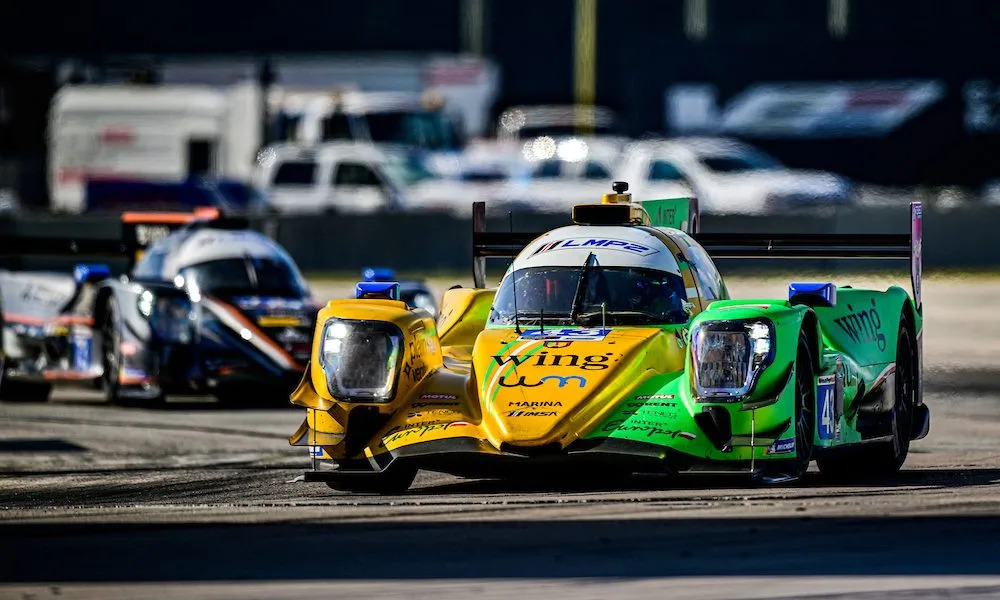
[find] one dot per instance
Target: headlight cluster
(360, 359)
(171, 317)
(729, 357)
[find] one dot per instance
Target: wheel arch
(810, 328)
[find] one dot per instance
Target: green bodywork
(860, 332)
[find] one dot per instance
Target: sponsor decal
(529, 413)
(554, 344)
(863, 326)
(828, 426)
(782, 447)
(650, 404)
(413, 372)
(432, 396)
(147, 234)
(432, 412)
(37, 294)
(656, 397)
(566, 335)
(649, 414)
(593, 362)
(418, 430)
(597, 243)
(279, 321)
(316, 451)
(562, 381)
(81, 351)
(418, 405)
(649, 429)
(414, 369)
(544, 404)
(802, 109)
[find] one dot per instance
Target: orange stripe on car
(257, 332)
(60, 320)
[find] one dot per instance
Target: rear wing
(37, 243)
(859, 246)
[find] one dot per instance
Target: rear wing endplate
(858, 246)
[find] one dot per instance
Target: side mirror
(386, 290)
(813, 294)
(90, 272)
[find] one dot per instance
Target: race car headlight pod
(729, 357)
(170, 317)
(360, 359)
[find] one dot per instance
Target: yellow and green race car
(613, 345)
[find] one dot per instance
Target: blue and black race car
(206, 309)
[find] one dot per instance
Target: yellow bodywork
(495, 386)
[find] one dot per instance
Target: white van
(149, 133)
(343, 177)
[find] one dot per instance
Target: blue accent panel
(385, 289)
(378, 274)
(826, 413)
(81, 352)
(813, 294)
(90, 272)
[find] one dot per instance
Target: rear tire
(12, 390)
(392, 481)
(885, 458)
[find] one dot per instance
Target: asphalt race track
(198, 501)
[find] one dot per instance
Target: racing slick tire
(884, 458)
(24, 391)
(805, 420)
(111, 359)
(389, 482)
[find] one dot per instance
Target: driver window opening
(590, 296)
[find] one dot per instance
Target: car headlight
(729, 357)
(360, 359)
(170, 317)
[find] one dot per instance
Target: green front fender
(663, 409)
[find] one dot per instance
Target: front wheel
(112, 360)
(395, 480)
(805, 420)
(111, 352)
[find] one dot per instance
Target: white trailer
(149, 133)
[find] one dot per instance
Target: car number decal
(566, 335)
(826, 414)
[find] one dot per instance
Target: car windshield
(403, 172)
(590, 296)
(272, 276)
(295, 173)
(739, 163)
(429, 130)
